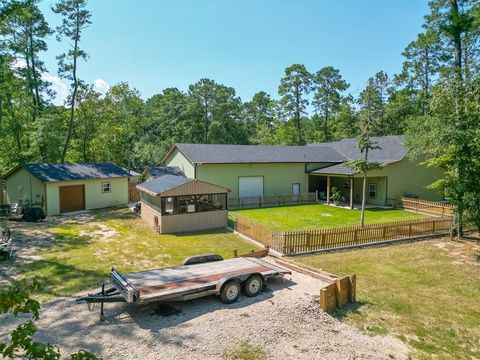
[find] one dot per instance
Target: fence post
(410, 230)
(355, 236)
(308, 241)
(434, 222)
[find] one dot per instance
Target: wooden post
(351, 192)
(235, 253)
(328, 190)
(316, 196)
(352, 288)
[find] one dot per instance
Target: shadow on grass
(349, 309)
(59, 279)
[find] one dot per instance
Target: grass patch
(82, 254)
(245, 351)
(426, 293)
(304, 217)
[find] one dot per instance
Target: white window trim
(109, 187)
(375, 191)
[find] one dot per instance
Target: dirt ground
(285, 320)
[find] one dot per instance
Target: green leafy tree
(327, 100)
(368, 122)
(422, 65)
(294, 88)
(75, 19)
(15, 300)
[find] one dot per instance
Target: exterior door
(295, 189)
(250, 186)
(72, 198)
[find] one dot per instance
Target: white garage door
(250, 186)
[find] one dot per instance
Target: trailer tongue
(202, 275)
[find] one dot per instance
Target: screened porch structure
(350, 184)
(174, 203)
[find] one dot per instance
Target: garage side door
(72, 198)
(249, 186)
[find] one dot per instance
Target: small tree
(368, 121)
(15, 299)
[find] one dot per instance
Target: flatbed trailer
(199, 276)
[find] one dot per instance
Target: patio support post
(328, 190)
(351, 192)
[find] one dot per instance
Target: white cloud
(59, 86)
(101, 86)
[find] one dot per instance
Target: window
(106, 187)
(346, 185)
(168, 205)
(193, 203)
(372, 191)
(211, 202)
(296, 189)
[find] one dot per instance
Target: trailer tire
(253, 285)
(230, 292)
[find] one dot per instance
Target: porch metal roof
(339, 169)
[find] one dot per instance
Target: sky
(244, 44)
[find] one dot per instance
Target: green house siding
(178, 159)
(94, 198)
(277, 177)
(406, 177)
(23, 185)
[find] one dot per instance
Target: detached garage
(62, 188)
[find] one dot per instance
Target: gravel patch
(285, 320)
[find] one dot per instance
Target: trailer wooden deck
(169, 282)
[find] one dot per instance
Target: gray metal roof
(156, 171)
(391, 149)
(231, 154)
(338, 169)
(163, 183)
(68, 172)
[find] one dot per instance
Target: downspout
(195, 171)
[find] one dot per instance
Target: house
(60, 188)
(175, 203)
(258, 170)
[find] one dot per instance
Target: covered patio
(350, 184)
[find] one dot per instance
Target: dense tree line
(434, 100)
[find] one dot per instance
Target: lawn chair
(6, 248)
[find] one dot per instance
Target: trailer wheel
(253, 285)
(230, 292)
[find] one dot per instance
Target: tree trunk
(74, 95)
(457, 40)
(364, 192)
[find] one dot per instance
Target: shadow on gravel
(158, 316)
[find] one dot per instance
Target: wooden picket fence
(305, 241)
(235, 203)
(435, 208)
(258, 232)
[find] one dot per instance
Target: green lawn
(82, 254)
(306, 217)
(426, 293)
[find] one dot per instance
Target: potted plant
(335, 195)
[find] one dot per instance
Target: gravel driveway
(285, 320)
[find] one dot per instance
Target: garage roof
(69, 172)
